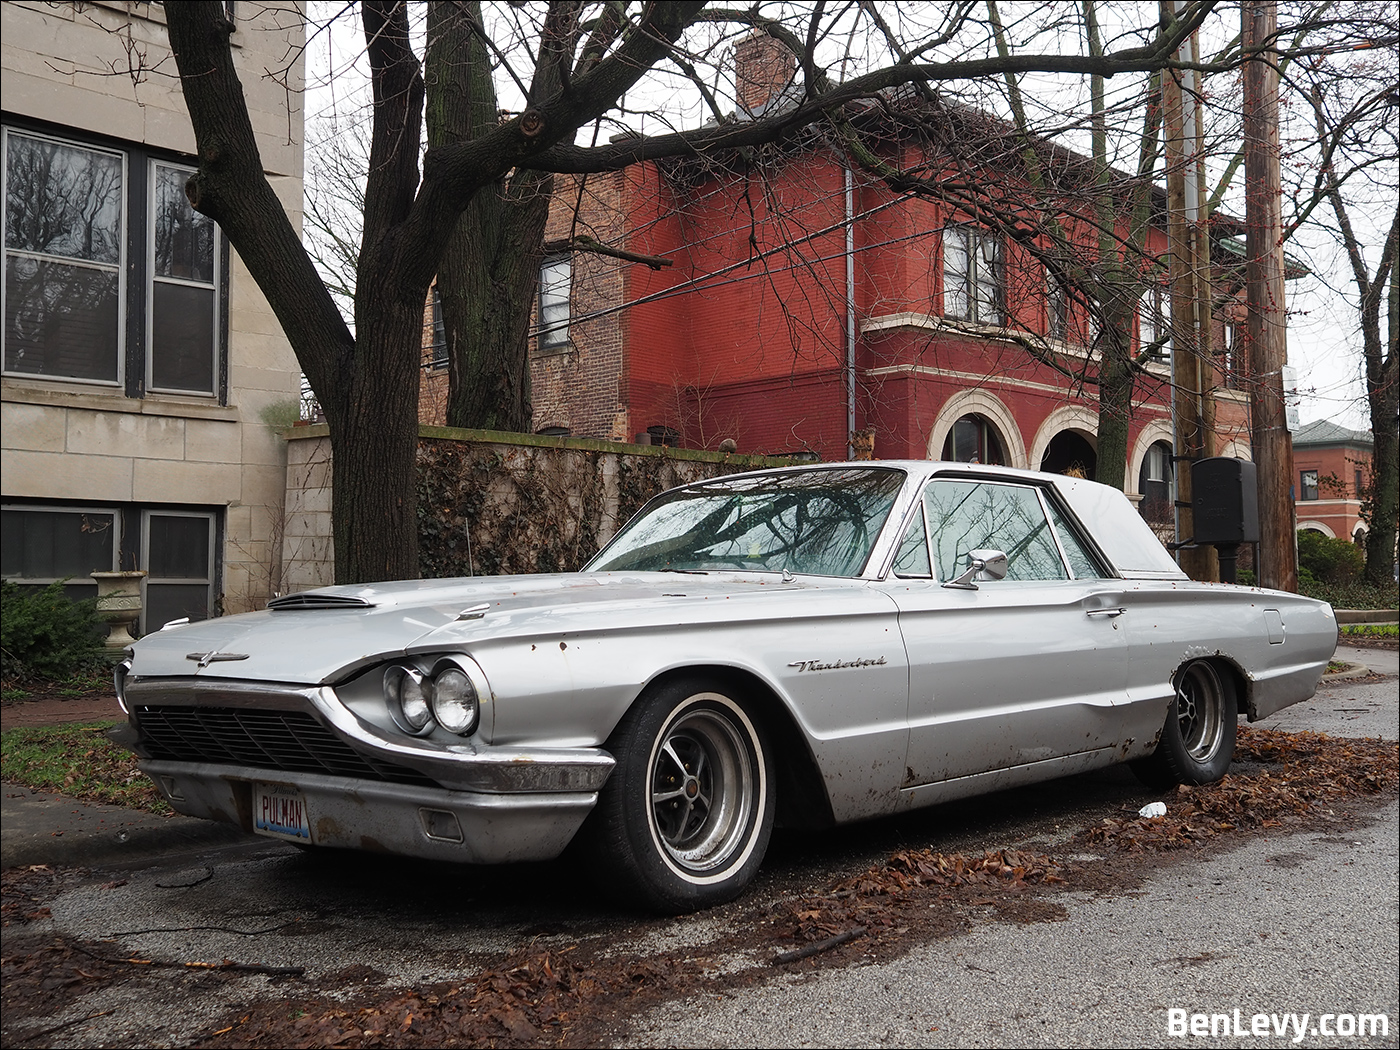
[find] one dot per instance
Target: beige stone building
(145, 379)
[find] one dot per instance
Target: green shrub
(1349, 595)
(1327, 559)
(45, 634)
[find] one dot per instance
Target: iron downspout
(850, 305)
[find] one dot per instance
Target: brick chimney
(763, 67)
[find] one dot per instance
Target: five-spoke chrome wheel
(1200, 715)
(684, 820)
(1198, 739)
(704, 784)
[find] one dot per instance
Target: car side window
(964, 516)
(912, 559)
(1081, 562)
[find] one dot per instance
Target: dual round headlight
(447, 696)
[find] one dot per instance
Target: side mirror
(982, 564)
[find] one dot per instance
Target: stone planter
(119, 605)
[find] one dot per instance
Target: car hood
(321, 640)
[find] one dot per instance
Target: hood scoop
(312, 600)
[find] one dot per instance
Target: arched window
(974, 439)
(668, 436)
(1070, 452)
(1157, 485)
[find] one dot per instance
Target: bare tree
(1353, 95)
(575, 67)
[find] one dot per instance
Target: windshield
(821, 522)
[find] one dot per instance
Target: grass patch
(1371, 630)
(75, 683)
(79, 761)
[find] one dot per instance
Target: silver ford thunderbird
(811, 645)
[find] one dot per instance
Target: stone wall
(491, 503)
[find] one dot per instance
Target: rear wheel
(1198, 739)
(684, 820)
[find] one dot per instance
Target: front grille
(288, 741)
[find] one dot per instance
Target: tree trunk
(1382, 354)
(374, 435)
(487, 281)
(1385, 480)
(1111, 287)
(490, 268)
(366, 384)
(1116, 382)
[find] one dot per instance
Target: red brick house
(1331, 469)
(799, 303)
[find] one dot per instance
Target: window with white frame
(973, 275)
(1157, 485)
(556, 281)
(1234, 356)
(177, 546)
(1307, 484)
(183, 304)
(111, 277)
(974, 439)
(1154, 323)
(1056, 309)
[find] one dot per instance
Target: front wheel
(685, 818)
(1198, 739)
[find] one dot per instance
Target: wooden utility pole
(1189, 265)
(1268, 348)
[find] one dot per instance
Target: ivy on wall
(488, 508)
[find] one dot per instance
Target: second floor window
(1056, 309)
(111, 277)
(556, 281)
(437, 348)
(1154, 323)
(973, 281)
(1308, 484)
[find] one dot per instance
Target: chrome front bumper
(207, 742)
(464, 826)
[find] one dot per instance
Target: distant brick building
(796, 309)
(1331, 469)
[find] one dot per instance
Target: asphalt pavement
(47, 828)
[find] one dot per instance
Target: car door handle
(1106, 612)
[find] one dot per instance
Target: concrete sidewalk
(47, 828)
(40, 827)
(1372, 661)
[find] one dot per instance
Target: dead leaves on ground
(566, 997)
(1302, 772)
(529, 1001)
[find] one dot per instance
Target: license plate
(280, 811)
